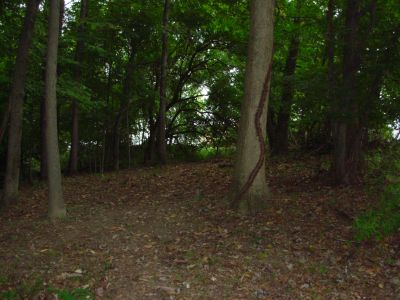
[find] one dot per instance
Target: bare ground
(166, 233)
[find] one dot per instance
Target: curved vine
(257, 123)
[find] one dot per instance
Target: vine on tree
(257, 123)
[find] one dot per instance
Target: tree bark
(151, 151)
(56, 201)
(347, 126)
(282, 129)
(16, 101)
(79, 53)
(271, 128)
(250, 190)
(4, 122)
(43, 149)
(161, 136)
(123, 107)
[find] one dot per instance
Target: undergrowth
(384, 219)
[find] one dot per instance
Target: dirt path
(167, 234)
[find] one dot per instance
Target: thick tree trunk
(79, 53)
(16, 101)
(43, 150)
(249, 189)
(56, 201)
(348, 133)
(282, 129)
(161, 138)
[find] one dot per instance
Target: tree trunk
(16, 101)
(73, 159)
(250, 190)
(123, 107)
(151, 141)
(56, 201)
(43, 150)
(79, 53)
(271, 128)
(128, 140)
(4, 121)
(151, 151)
(282, 129)
(347, 126)
(116, 145)
(161, 138)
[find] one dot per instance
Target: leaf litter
(167, 233)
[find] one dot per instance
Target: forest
(199, 149)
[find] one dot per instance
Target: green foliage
(385, 218)
(212, 152)
(382, 221)
(383, 166)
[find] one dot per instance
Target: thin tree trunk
(282, 129)
(103, 153)
(116, 144)
(79, 53)
(128, 139)
(151, 151)
(43, 149)
(56, 201)
(250, 190)
(16, 101)
(73, 159)
(271, 128)
(123, 107)
(161, 138)
(152, 141)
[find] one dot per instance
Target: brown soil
(166, 233)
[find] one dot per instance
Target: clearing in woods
(166, 233)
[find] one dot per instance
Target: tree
(79, 52)
(250, 189)
(350, 125)
(280, 145)
(16, 101)
(56, 201)
(161, 141)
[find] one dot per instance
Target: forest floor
(166, 233)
